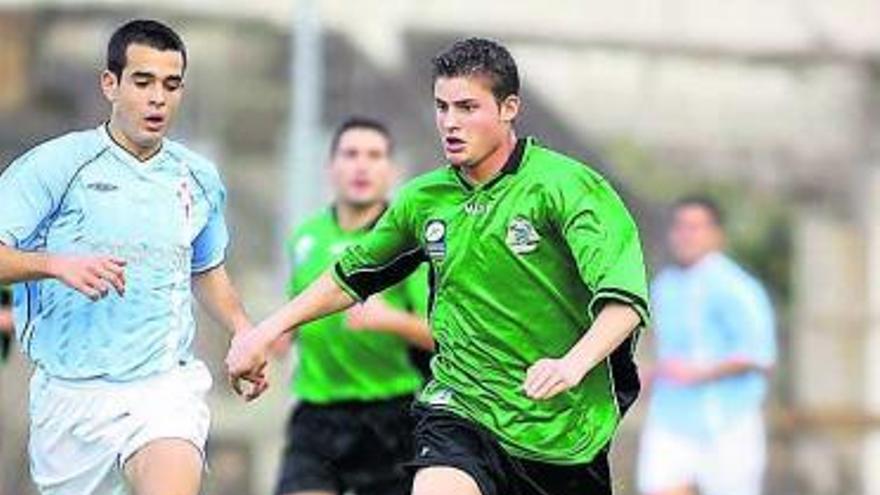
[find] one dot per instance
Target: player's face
(693, 235)
(471, 122)
(146, 97)
(361, 168)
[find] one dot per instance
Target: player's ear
(509, 108)
(109, 85)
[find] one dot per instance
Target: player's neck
(355, 217)
(140, 153)
(699, 260)
(493, 163)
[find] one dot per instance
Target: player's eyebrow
(143, 74)
(463, 101)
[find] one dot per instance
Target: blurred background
(770, 106)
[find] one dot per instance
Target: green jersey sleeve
(604, 241)
(416, 289)
(384, 257)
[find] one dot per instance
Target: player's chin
(459, 159)
(149, 137)
(364, 200)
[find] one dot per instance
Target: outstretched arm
(248, 352)
(383, 258)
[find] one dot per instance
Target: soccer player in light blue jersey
(105, 233)
(715, 347)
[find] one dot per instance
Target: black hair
(479, 57)
(706, 203)
(141, 32)
(359, 122)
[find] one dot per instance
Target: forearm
(610, 329)
(18, 266)
(410, 327)
(220, 300)
(733, 366)
(321, 298)
(550, 376)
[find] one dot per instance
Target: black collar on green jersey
(511, 166)
(368, 226)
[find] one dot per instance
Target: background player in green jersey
(354, 376)
(538, 283)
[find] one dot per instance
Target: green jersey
(336, 363)
(521, 265)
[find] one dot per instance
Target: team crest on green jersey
(435, 239)
(522, 238)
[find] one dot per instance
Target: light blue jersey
(705, 314)
(82, 193)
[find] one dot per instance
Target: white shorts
(81, 433)
(731, 463)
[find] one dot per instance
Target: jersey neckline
(126, 155)
(511, 166)
(334, 216)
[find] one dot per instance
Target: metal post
(303, 174)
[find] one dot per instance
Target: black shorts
(445, 439)
(349, 446)
(5, 345)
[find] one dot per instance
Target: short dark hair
(479, 57)
(360, 122)
(141, 32)
(706, 203)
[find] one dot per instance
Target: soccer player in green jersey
(354, 377)
(538, 284)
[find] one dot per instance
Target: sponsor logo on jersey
(474, 208)
(435, 239)
(102, 186)
(522, 238)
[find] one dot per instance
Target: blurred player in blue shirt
(715, 346)
(105, 233)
